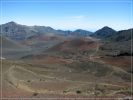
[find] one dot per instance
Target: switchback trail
(17, 82)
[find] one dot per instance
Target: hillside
(20, 32)
(80, 33)
(11, 49)
(104, 32)
(119, 43)
(74, 45)
(10, 44)
(123, 35)
(41, 62)
(109, 34)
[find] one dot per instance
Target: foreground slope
(66, 66)
(54, 75)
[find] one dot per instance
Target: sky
(69, 14)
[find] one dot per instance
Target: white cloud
(78, 17)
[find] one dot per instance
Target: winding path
(17, 82)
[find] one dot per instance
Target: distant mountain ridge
(20, 32)
(110, 34)
(17, 31)
(81, 32)
(116, 43)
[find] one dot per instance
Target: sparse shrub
(64, 91)
(105, 86)
(28, 81)
(35, 94)
(78, 92)
(97, 93)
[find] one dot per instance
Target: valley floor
(62, 75)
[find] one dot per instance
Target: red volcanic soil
(15, 93)
(28, 96)
(19, 94)
(123, 61)
(43, 38)
(51, 38)
(75, 44)
(52, 60)
(46, 38)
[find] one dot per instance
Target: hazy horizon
(69, 15)
(65, 29)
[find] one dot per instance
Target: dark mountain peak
(79, 30)
(12, 23)
(104, 32)
(107, 28)
(49, 27)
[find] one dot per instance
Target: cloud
(78, 17)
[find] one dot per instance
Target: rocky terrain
(41, 62)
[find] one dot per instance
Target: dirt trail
(91, 58)
(19, 83)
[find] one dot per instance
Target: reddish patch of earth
(74, 45)
(19, 95)
(122, 62)
(52, 60)
(15, 93)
